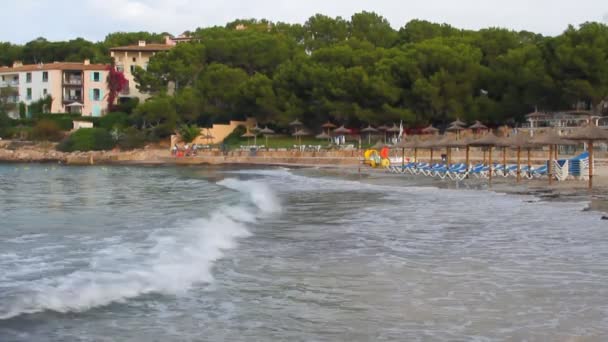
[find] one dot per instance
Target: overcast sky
(24, 20)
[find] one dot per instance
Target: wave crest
(172, 261)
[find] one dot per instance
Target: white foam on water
(170, 262)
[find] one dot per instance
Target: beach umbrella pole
(490, 163)
(550, 168)
(416, 154)
(431, 157)
(590, 164)
(518, 164)
(402, 158)
(504, 158)
(529, 163)
(467, 160)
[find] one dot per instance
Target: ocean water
(195, 254)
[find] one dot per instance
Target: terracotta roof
(54, 66)
(147, 47)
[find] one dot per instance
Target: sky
(93, 19)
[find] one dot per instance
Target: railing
(73, 81)
(9, 84)
(12, 99)
(72, 98)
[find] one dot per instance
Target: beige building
(126, 58)
(73, 87)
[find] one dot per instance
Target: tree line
(356, 71)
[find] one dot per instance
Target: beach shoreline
(346, 165)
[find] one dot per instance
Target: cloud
(96, 18)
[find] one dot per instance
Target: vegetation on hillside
(353, 71)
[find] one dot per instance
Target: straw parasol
(430, 130)
(295, 123)
(429, 144)
(323, 136)
(328, 125)
(369, 130)
(552, 139)
(457, 122)
(248, 135)
(478, 125)
(590, 133)
(449, 142)
(519, 141)
(383, 129)
(412, 143)
(266, 132)
(299, 134)
(489, 140)
(342, 130)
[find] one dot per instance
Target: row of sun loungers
(561, 169)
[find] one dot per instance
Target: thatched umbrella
(296, 124)
(457, 122)
(323, 136)
(248, 135)
(266, 132)
(342, 130)
(489, 140)
(449, 142)
(256, 130)
(590, 134)
(430, 130)
(551, 138)
(299, 134)
(520, 141)
(412, 143)
(455, 128)
(478, 126)
(369, 130)
(328, 125)
(383, 129)
(430, 144)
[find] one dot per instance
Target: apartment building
(126, 58)
(73, 87)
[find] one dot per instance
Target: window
(29, 93)
(44, 92)
(120, 67)
(96, 94)
(45, 76)
(96, 77)
(28, 77)
(134, 59)
(132, 68)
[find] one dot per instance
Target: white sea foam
(171, 261)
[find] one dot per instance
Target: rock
(605, 218)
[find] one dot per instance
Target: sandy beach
(342, 164)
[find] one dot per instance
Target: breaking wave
(170, 261)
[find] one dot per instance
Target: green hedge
(87, 139)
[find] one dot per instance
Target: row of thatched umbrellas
(590, 134)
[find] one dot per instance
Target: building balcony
(72, 99)
(4, 84)
(72, 82)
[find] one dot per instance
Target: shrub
(234, 138)
(47, 130)
(114, 120)
(188, 133)
(131, 138)
(87, 139)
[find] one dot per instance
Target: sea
(124, 253)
